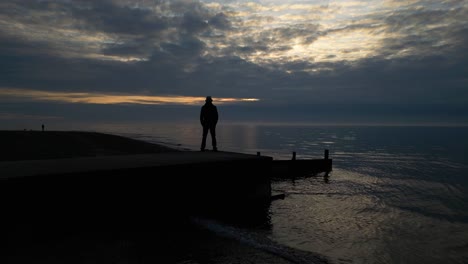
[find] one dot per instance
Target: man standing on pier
(209, 119)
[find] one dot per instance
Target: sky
(310, 61)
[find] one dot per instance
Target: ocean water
(396, 194)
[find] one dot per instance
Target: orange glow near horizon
(102, 98)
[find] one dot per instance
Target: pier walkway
(81, 165)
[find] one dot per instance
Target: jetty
(111, 183)
(294, 168)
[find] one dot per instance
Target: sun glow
(314, 32)
(346, 46)
(102, 98)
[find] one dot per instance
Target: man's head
(208, 99)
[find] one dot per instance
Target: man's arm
(202, 117)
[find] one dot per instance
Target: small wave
(260, 242)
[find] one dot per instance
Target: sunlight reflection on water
(365, 219)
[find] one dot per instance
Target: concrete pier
(144, 186)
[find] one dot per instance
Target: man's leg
(213, 137)
(205, 133)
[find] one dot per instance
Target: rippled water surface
(395, 195)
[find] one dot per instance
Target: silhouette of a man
(209, 119)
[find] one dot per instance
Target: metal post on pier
(294, 155)
(326, 154)
(258, 153)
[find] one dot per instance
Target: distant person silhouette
(209, 119)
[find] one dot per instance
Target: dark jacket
(209, 115)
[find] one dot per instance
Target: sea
(396, 194)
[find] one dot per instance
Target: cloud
(425, 32)
(281, 52)
(85, 29)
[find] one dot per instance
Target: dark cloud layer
(166, 48)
